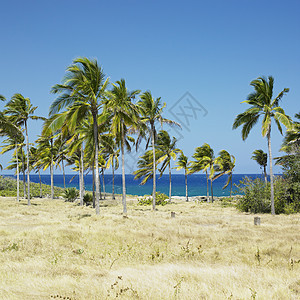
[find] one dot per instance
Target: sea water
(196, 183)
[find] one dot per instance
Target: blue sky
(211, 49)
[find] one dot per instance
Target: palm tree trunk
(265, 173)
(271, 172)
(18, 179)
(186, 188)
(41, 194)
(23, 171)
(123, 174)
(81, 176)
(51, 171)
(97, 181)
(212, 193)
(170, 184)
(64, 175)
(231, 186)
(207, 189)
(154, 168)
(113, 179)
(94, 202)
(103, 183)
(100, 187)
(28, 179)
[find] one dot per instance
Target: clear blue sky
(211, 49)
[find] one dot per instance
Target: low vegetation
(8, 188)
(57, 249)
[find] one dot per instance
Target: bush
(71, 194)
(160, 199)
(88, 198)
(257, 196)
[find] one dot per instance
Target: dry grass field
(59, 250)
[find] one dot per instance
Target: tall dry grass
(58, 249)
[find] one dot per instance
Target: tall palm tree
(20, 110)
(225, 164)
(124, 117)
(151, 112)
(166, 149)
(85, 86)
(183, 163)
(262, 159)
(263, 104)
(204, 160)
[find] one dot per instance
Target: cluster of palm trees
(90, 125)
(204, 160)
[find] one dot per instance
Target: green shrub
(88, 198)
(257, 196)
(160, 199)
(71, 194)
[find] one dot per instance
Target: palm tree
(145, 167)
(225, 163)
(15, 143)
(20, 110)
(292, 136)
(263, 104)
(85, 86)
(166, 149)
(110, 150)
(46, 152)
(204, 159)
(183, 163)
(34, 158)
(124, 117)
(262, 159)
(151, 112)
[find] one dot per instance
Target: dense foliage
(256, 192)
(71, 194)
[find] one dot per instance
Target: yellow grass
(58, 249)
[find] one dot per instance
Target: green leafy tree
(263, 104)
(124, 119)
(262, 159)
(111, 151)
(225, 164)
(166, 151)
(151, 111)
(145, 167)
(183, 163)
(204, 160)
(20, 110)
(85, 86)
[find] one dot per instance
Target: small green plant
(13, 246)
(71, 194)
(88, 198)
(253, 294)
(161, 199)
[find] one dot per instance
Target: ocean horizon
(196, 183)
